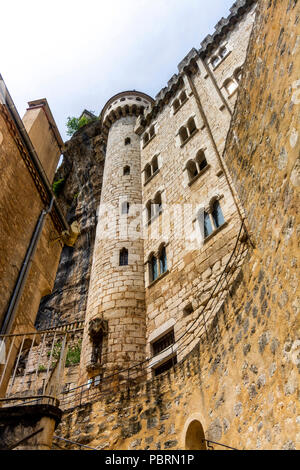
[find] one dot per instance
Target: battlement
(124, 104)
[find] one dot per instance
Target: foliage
(73, 353)
(74, 124)
(58, 186)
(42, 368)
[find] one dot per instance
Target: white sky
(78, 54)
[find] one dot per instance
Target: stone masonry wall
(116, 291)
(81, 173)
(193, 266)
(242, 383)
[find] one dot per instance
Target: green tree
(74, 124)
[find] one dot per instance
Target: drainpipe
(19, 287)
(205, 120)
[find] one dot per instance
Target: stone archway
(194, 437)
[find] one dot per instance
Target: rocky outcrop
(78, 193)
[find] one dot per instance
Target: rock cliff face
(78, 192)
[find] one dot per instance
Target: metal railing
(33, 369)
(198, 330)
(36, 352)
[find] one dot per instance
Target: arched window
(149, 210)
(230, 86)
(154, 164)
(183, 134)
(182, 97)
(153, 271)
(238, 74)
(126, 170)
(201, 160)
(214, 61)
(125, 207)
(157, 203)
(124, 257)
(191, 125)
(151, 131)
(192, 169)
(207, 225)
(163, 266)
(127, 141)
(223, 52)
(217, 215)
(176, 105)
(148, 172)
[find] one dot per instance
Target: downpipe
(19, 287)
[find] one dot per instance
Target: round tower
(114, 337)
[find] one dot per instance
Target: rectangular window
(162, 343)
(165, 366)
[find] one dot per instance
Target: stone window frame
(235, 78)
(186, 127)
(217, 55)
(150, 214)
(121, 252)
(195, 161)
(167, 354)
(149, 135)
(180, 100)
(153, 171)
(208, 210)
(157, 255)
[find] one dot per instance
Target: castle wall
(241, 383)
(193, 266)
(116, 291)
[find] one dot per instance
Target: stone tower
(114, 337)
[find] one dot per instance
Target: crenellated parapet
(189, 63)
(127, 103)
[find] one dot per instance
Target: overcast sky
(78, 54)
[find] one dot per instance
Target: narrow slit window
(125, 207)
(127, 141)
(126, 170)
(124, 257)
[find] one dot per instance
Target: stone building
(185, 269)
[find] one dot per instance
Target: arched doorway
(194, 438)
